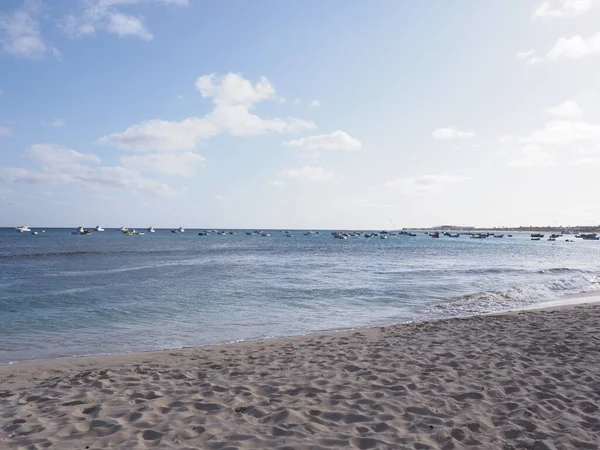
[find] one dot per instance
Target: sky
(341, 114)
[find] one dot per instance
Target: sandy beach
(521, 380)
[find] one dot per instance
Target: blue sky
(299, 114)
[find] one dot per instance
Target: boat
(453, 235)
(308, 233)
(128, 233)
(139, 233)
(498, 235)
(510, 235)
(590, 237)
(123, 230)
(178, 230)
(537, 235)
(203, 233)
(81, 231)
(536, 238)
(23, 229)
(265, 234)
(288, 234)
(98, 228)
(383, 236)
(340, 236)
(151, 230)
(34, 233)
(552, 239)
(435, 236)
(411, 234)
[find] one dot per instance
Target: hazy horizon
(300, 114)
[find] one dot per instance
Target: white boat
(139, 233)
(288, 234)
(308, 233)
(35, 233)
(99, 228)
(265, 234)
(178, 230)
(81, 231)
(23, 229)
(151, 230)
(123, 230)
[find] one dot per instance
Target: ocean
(63, 295)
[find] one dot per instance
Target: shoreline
(573, 300)
(526, 378)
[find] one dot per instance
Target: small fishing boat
(98, 228)
(151, 230)
(536, 238)
(537, 235)
(23, 229)
(81, 231)
(34, 233)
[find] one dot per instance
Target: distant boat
(510, 235)
(23, 229)
(498, 235)
(203, 233)
(35, 233)
(308, 233)
(383, 236)
(151, 230)
(99, 228)
(454, 235)
(537, 235)
(411, 234)
(178, 230)
(123, 230)
(265, 234)
(536, 239)
(288, 234)
(552, 239)
(81, 231)
(590, 237)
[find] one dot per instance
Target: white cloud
(584, 161)
(176, 164)
(425, 184)
(276, 183)
(562, 9)
(20, 33)
(315, 104)
(234, 89)
(451, 133)
(56, 156)
(567, 110)
(63, 166)
(58, 122)
(5, 131)
(338, 140)
(105, 15)
(310, 173)
(528, 54)
(532, 156)
(564, 132)
(572, 48)
(232, 97)
(505, 138)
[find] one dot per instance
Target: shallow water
(64, 295)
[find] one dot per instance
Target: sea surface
(63, 295)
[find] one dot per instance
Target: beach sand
(522, 380)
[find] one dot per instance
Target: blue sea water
(65, 295)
